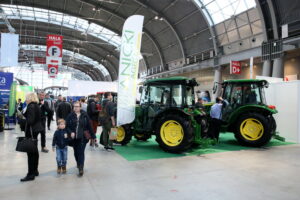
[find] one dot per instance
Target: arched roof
(174, 30)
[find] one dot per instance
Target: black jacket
(92, 110)
(56, 104)
(63, 110)
(59, 138)
(45, 109)
(84, 124)
(33, 119)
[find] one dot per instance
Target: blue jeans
(79, 147)
(61, 156)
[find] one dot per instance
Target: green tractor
(167, 110)
(247, 115)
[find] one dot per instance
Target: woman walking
(80, 130)
(33, 126)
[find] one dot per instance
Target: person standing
(110, 122)
(60, 143)
(83, 104)
(63, 109)
(50, 113)
(45, 109)
(93, 114)
(78, 127)
(20, 105)
(216, 118)
(33, 127)
(59, 100)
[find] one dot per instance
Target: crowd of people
(77, 124)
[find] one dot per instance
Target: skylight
(218, 11)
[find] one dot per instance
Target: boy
(60, 141)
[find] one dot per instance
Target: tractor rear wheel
(124, 135)
(174, 134)
(142, 136)
(252, 129)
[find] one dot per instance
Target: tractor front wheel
(124, 135)
(174, 134)
(252, 129)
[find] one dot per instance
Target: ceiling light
(161, 19)
(156, 17)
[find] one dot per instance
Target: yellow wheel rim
(252, 129)
(121, 134)
(171, 133)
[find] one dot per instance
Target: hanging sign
(129, 67)
(54, 54)
(235, 67)
(52, 71)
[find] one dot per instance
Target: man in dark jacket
(63, 109)
(110, 122)
(93, 114)
(45, 109)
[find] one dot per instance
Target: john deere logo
(2, 80)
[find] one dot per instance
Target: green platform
(137, 150)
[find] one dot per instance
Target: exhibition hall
(149, 99)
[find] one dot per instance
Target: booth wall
(286, 97)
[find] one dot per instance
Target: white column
(218, 79)
(278, 69)
(267, 68)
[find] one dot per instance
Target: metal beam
(40, 28)
(146, 32)
(169, 24)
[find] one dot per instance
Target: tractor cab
(241, 93)
(176, 92)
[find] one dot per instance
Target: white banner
(9, 49)
(128, 68)
(85, 88)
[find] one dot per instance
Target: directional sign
(52, 71)
(54, 54)
(235, 67)
(54, 49)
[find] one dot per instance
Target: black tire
(264, 136)
(187, 140)
(142, 137)
(128, 135)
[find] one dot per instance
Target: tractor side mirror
(141, 89)
(215, 87)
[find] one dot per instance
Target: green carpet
(137, 150)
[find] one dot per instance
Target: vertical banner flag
(235, 67)
(12, 99)
(9, 50)
(128, 68)
(54, 54)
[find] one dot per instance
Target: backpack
(103, 116)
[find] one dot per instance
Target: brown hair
(60, 121)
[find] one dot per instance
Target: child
(60, 141)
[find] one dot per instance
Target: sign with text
(52, 71)
(6, 80)
(129, 67)
(54, 49)
(235, 67)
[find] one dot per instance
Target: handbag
(27, 145)
(113, 134)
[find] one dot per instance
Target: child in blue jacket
(60, 143)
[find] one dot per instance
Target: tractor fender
(264, 110)
(168, 111)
